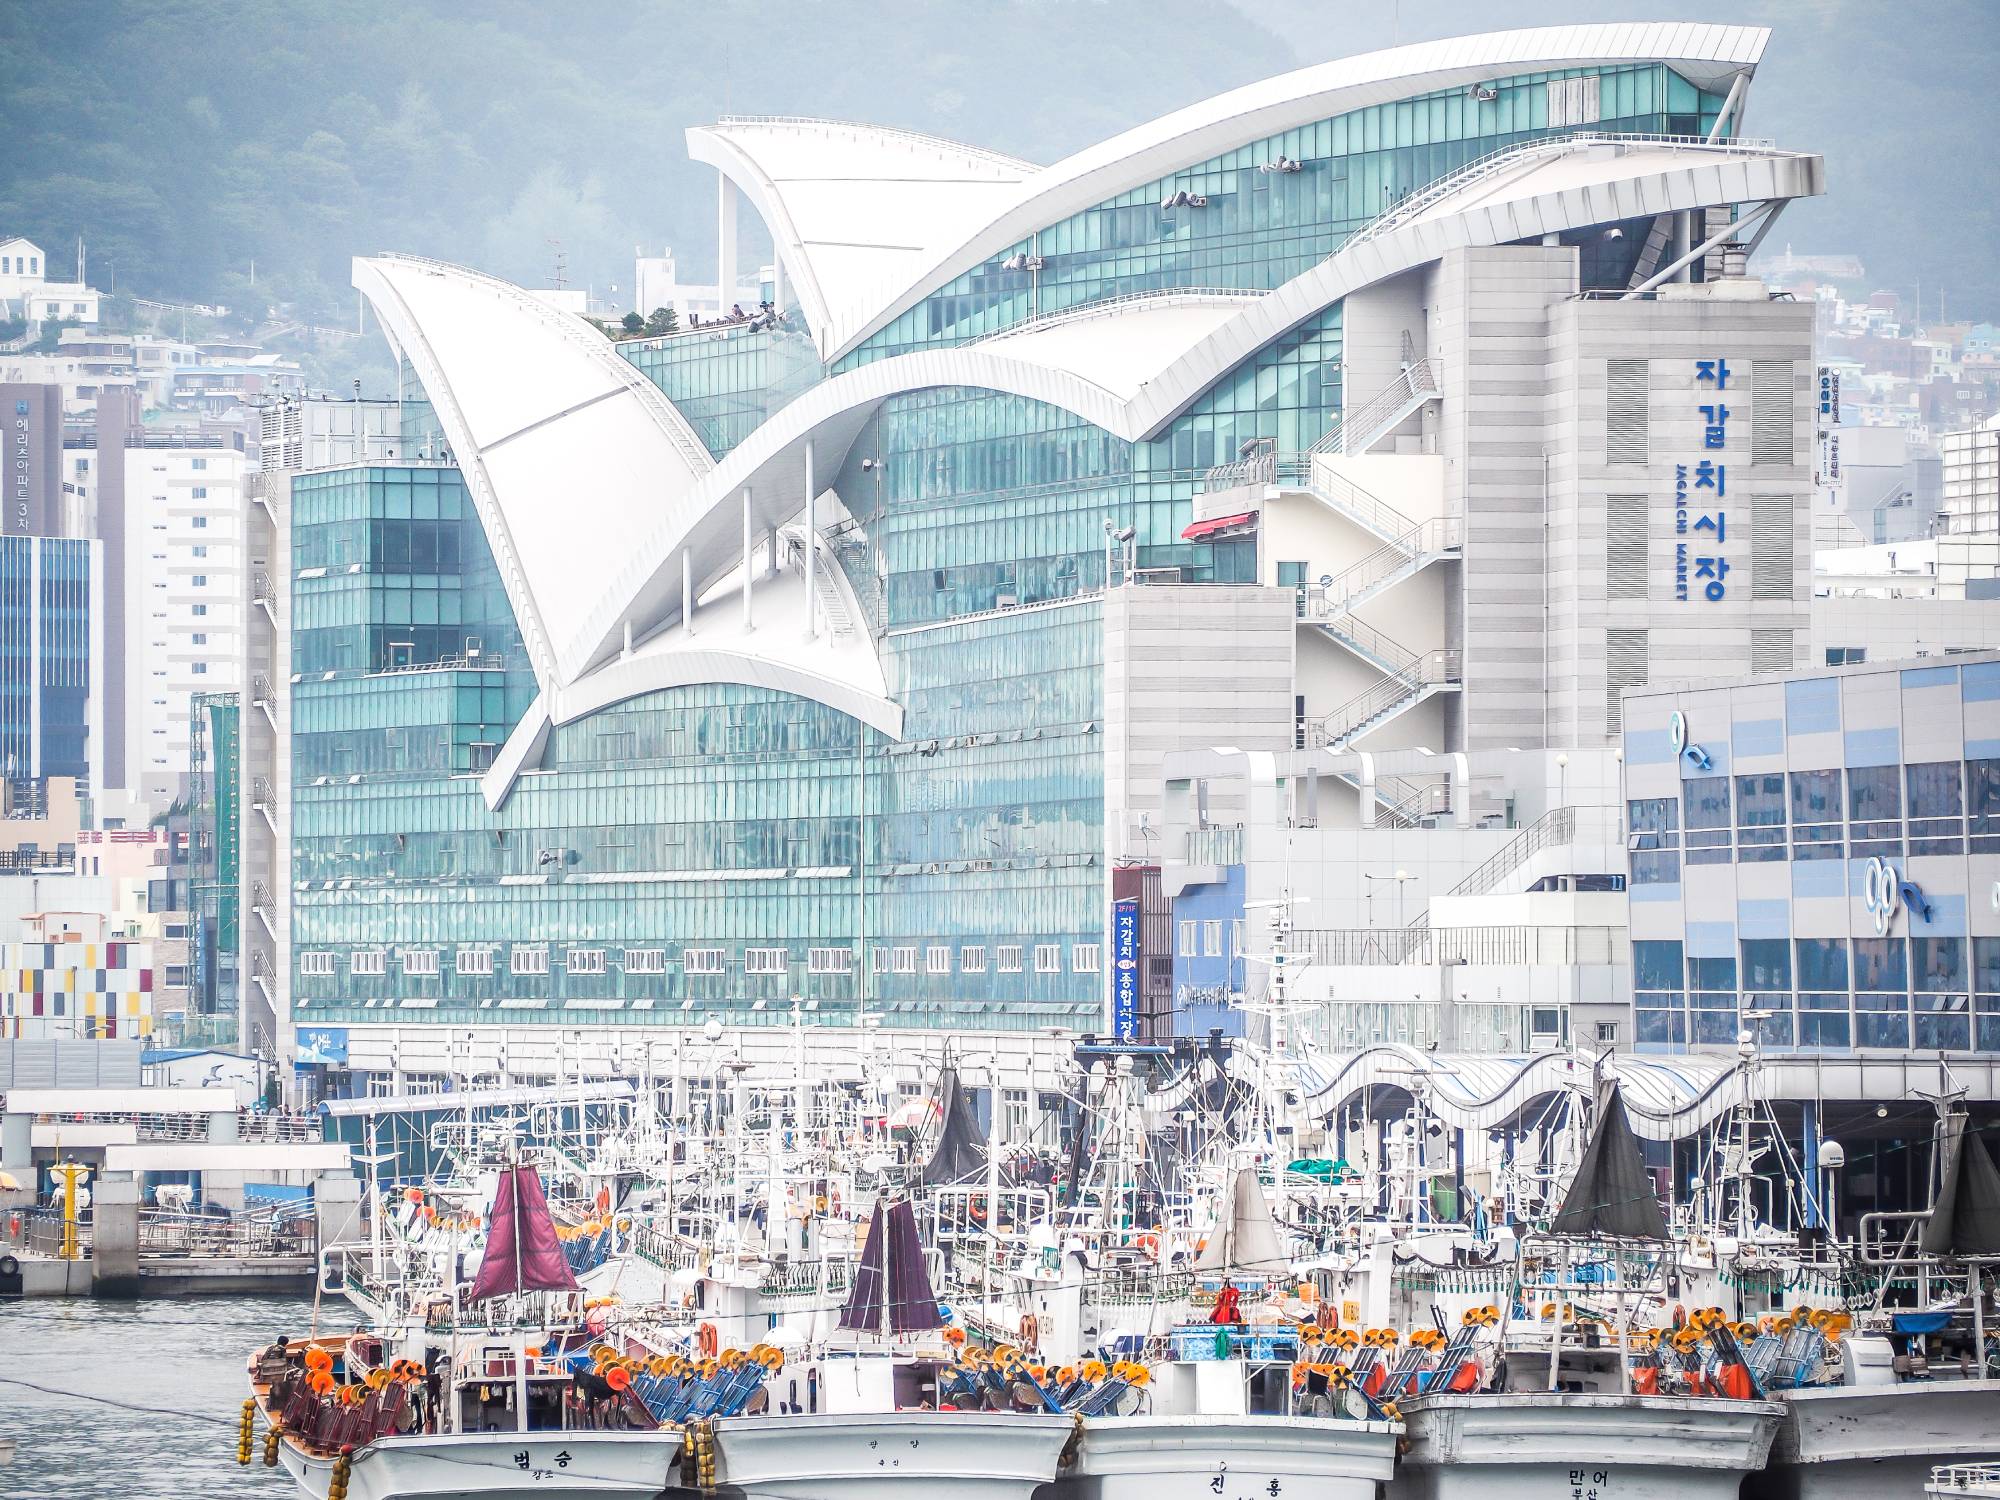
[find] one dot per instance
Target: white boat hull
(1557, 1446)
(1859, 1442)
(934, 1455)
(482, 1466)
(1187, 1458)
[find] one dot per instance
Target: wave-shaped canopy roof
(870, 221)
(848, 204)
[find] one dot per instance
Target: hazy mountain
(192, 139)
(189, 138)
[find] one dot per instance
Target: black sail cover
(1965, 1220)
(913, 1306)
(961, 1147)
(1612, 1192)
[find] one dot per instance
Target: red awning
(1202, 529)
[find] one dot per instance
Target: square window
(972, 960)
(1010, 958)
(529, 960)
(475, 960)
(420, 961)
(1086, 958)
(1048, 958)
(905, 961)
(829, 960)
(937, 960)
(316, 964)
(368, 961)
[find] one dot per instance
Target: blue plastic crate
(1196, 1342)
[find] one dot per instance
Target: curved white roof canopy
(1667, 1098)
(1586, 183)
(1128, 367)
(850, 300)
(1133, 378)
(563, 444)
(851, 204)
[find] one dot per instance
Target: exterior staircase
(1424, 543)
(1400, 803)
(1364, 426)
(1432, 673)
(832, 602)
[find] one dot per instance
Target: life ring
(9, 1265)
(1150, 1243)
(1030, 1330)
(707, 1340)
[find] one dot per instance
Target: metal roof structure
(861, 263)
(848, 204)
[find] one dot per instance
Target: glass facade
(719, 849)
(1875, 929)
(728, 379)
(45, 589)
(1255, 227)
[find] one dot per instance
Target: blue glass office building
(545, 767)
(47, 694)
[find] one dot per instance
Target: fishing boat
(1640, 1413)
(1886, 1414)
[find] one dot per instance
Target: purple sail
(522, 1252)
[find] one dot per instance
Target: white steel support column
(725, 244)
(749, 560)
(812, 545)
(687, 591)
(777, 279)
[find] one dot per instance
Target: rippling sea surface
(180, 1361)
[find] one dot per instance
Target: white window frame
(316, 965)
(1086, 958)
(972, 960)
(903, 960)
(583, 961)
(529, 961)
(477, 961)
(1211, 938)
(767, 960)
(645, 960)
(829, 960)
(1048, 958)
(1009, 955)
(702, 960)
(367, 962)
(1190, 939)
(418, 962)
(937, 960)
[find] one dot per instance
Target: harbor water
(180, 1363)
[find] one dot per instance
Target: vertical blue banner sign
(1125, 970)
